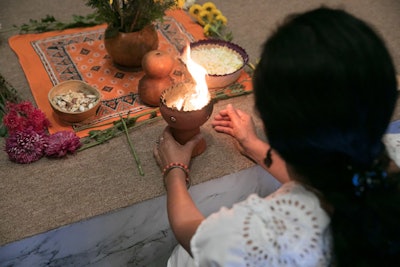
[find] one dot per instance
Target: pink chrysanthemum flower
(61, 143)
(25, 146)
(24, 115)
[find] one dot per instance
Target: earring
(268, 159)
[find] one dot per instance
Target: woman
(325, 89)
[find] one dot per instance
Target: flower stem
(98, 137)
(134, 118)
(139, 165)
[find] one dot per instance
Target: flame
(201, 95)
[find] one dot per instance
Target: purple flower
(25, 146)
(62, 142)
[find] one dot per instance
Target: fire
(200, 95)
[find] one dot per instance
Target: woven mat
(79, 54)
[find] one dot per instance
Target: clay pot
(128, 49)
(186, 124)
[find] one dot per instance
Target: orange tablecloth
(79, 54)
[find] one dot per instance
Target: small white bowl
(237, 53)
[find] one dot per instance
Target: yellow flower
(209, 6)
(180, 3)
(204, 17)
(195, 10)
(222, 19)
(215, 13)
(206, 29)
(111, 1)
(211, 18)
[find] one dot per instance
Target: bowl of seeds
(74, 101)
(223, 60)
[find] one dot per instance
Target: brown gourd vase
(128, 49)
(157, 66)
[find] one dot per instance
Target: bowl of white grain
(224, 61)
(74, 101)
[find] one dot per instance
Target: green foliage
(49, 23)
(97, 137)
(130, 15)
(218, 30)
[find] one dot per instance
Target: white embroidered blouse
(287, 228)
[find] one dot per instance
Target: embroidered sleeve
(288, 228)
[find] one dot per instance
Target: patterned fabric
(79, 54)
(288, 228)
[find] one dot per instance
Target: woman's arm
(183, 215)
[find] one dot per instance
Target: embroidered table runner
(79, 54)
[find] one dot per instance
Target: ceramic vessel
(185, 124)
(128, 49)
(222, 80)
(73, 86)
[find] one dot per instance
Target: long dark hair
(325, 89)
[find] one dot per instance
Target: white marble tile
(134, 236)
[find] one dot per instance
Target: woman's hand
(168, 150)
(238, 124)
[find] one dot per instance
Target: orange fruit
(150, 89)
(157, 63)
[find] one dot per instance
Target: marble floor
(134, 236)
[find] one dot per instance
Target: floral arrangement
(130, 15)
(213, 21)
(28, 140)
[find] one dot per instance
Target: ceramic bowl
(74, 101)
(184, 125)
(223, 60)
